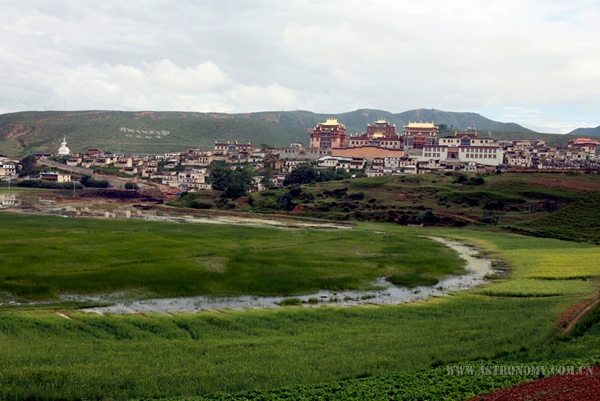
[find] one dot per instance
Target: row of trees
(88, 181)
(235, 183)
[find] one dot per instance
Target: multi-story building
(381, 134)
(8, 171)
(486, 155)
(329, 135)
(417, 135)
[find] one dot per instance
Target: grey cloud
(329, 56)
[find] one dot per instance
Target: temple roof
(331, 122)
(420, 125)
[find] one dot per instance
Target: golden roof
(331, 122)
(420, 125)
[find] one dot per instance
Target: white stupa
(63, 150)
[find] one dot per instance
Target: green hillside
(586, 132)
(460, 120)
(153, 132)
(562, 206)
(27, 132)
(356, 121)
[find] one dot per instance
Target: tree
(304, 173)
(430, 218)
(219, 176)
(131, 185)
(266, 180)
(233, 183)
(327, 175)
(28, 166)
(88, 181)
(342, 174)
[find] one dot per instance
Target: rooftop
(420, 125)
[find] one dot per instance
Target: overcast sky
(536, 63)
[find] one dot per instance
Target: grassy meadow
(43, 256)
(63, 353)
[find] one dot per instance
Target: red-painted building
(381, 135)
(417, 135)
(329, 135)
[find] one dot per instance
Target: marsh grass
(43, 256)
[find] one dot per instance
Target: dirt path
(581, 314)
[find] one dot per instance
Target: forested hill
(586, 131)
(152, 132)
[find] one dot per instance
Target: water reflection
(9, 200)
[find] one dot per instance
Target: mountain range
(154, 132)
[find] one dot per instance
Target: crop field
(42, 256)
(434, 384)
(47, 356)
(537, 288)
(63, 353)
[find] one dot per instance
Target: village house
(123, 162)
(8, 171)
(55, 177)
(335, 162)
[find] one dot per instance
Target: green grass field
(47, 356)
(42, 256)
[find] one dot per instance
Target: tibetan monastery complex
(419, 142)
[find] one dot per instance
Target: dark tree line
(305, 173)
(88, 181)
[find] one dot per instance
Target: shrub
(357, 196)
(291, 302)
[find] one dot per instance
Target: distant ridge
(151, 131)
(356, 121)
(460, 121)
(586, 132)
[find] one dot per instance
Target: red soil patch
(558, 388)
(298, 209)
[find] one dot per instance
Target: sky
(536, 63)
